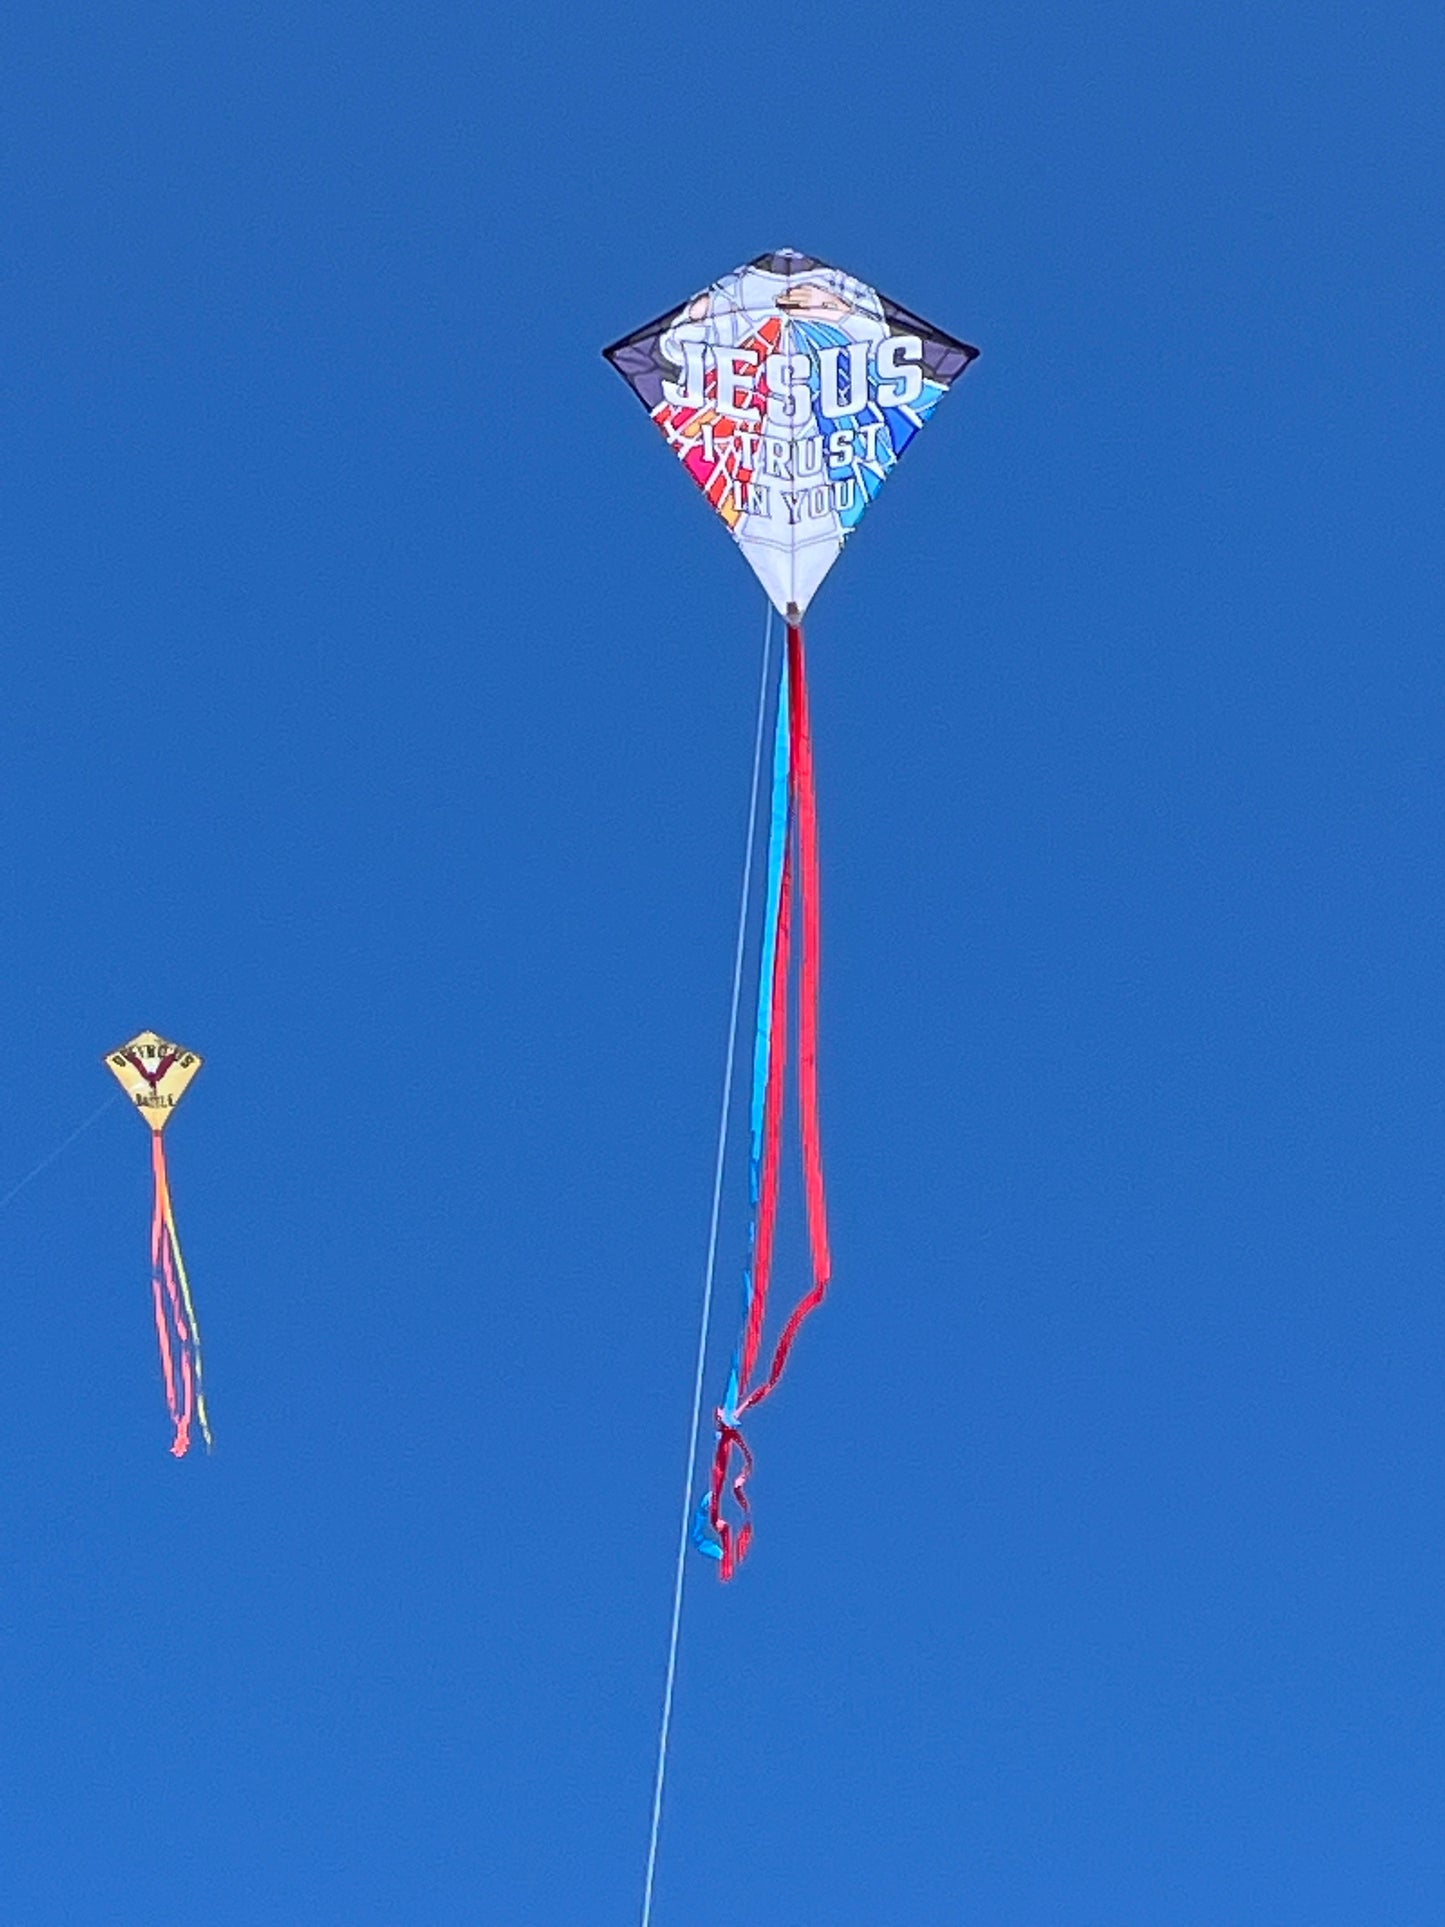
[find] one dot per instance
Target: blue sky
(378, 710)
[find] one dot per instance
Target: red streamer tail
(734, 1540)
(805, 818)
(767, 1214)
(799, 897)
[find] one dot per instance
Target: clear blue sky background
(377, 721)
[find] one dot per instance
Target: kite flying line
(709, 1272)
(46, 1162)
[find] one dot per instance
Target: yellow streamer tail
(177, 1330)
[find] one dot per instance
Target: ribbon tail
(806, 832)
(179, 1334)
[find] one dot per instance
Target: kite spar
(154, 1075)
(787, 390)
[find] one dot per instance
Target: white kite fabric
(788, 390)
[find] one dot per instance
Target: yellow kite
(155, 1074)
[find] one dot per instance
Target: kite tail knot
(733, 1540)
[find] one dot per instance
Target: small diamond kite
(155, 1074)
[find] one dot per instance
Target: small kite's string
(705, 1322)
(46, 1162)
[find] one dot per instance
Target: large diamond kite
(788, 390)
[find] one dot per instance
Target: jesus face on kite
(788, 390)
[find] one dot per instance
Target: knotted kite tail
(734, 1540)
